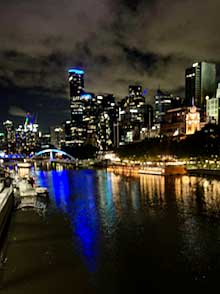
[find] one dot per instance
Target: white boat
(25, 189)
(163, 170)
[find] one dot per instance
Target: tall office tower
(9, 132)
(89, 118)
(106, 121)
(163, 102)
(200, 81)
(27, 136)
(76, 83)
(131, 115)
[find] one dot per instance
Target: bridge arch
(51, 152)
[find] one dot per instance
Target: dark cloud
(118, 42)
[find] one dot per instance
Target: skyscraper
(163, 102)
(27, 135)
(131, 115)
(76, 81)
(106, 120)
(200, 81)
(76, 84)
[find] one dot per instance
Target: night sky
(117, 42)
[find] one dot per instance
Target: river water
(108, 233)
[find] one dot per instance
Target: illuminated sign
(76, 71)
(86, 96)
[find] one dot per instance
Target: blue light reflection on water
(74, 193)
(85, 217)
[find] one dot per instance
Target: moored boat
(164, 170)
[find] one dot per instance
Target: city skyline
(120, 43)
(17, 112)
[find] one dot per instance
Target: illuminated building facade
(213, 108)
(200, 81)
(89, 118)
(132, 115)
(27, 136)
(76, 86)
(82, 128)
(192, 121)
(106, 120)
(181, 121)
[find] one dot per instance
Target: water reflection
(172, 213)
(74, 194)
(85, 218)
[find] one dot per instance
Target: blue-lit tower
(76, 83)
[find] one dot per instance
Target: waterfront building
(192, 121)
(181, 121)
(200, 81)
(132, 115)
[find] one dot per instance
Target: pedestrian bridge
(52, 154)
